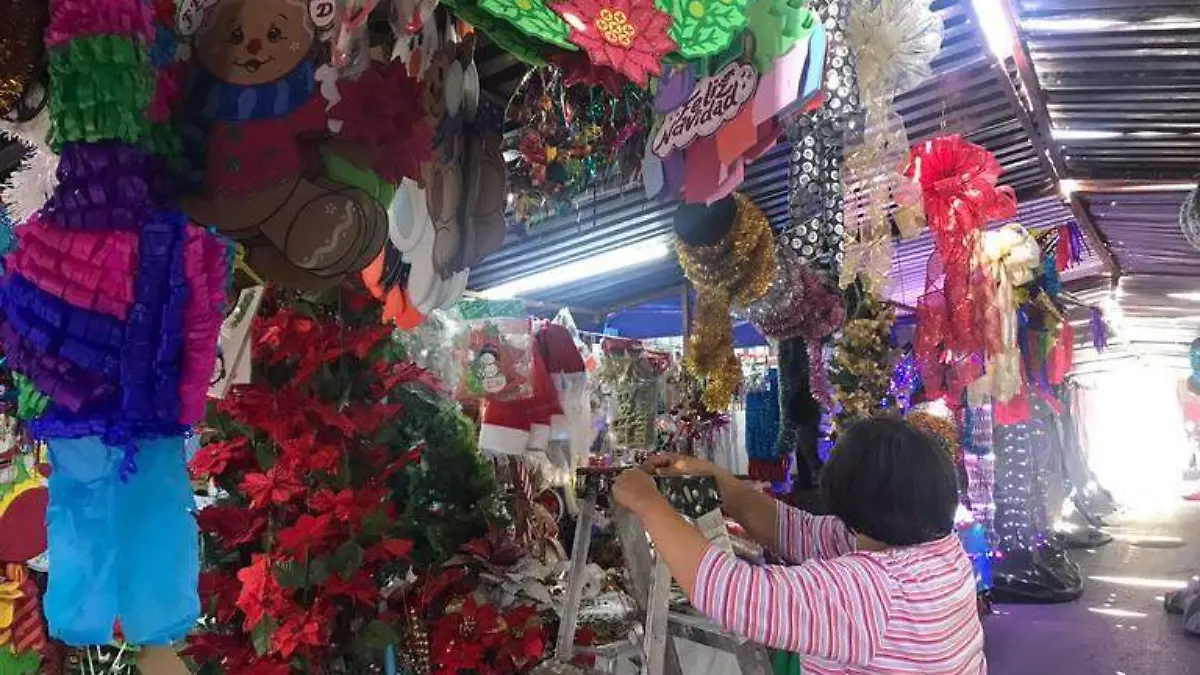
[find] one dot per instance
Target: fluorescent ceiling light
(994, 23)
(1084, 134)
(1191, 296)
(1068, 187)
(597, 265)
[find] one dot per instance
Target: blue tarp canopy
(664, 318)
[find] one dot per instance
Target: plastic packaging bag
(495, 351)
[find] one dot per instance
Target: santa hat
(512, 427)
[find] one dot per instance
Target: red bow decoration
(960, 195)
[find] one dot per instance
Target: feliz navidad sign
(715, 101)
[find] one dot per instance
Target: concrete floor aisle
(1118, 626)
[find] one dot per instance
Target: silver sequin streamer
(815, 203)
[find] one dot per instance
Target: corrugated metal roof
(1142, 230)
(966, 96)
(1123, 77)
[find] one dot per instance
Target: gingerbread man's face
(248, 42)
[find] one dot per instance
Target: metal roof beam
(1035, 119)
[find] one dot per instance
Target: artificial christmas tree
(343, 473)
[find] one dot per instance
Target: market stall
(317, 332)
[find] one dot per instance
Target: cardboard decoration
(233, 347)
(22, 505)
(256, 123)
(465, 183)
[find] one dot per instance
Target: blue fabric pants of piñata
(121, 550)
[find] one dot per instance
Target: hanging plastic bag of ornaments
(495, 351)
(632, 386)
(431, 345)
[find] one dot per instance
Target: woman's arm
(831, 609)
(835, 610)
(790, 533)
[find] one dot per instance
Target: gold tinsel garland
(735, 271)
(862, 373)
(943, 430)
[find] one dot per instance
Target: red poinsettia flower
(299, 629)
(360, 588)
(219, 593)
(308, 536)
(377, 112)
(277, 486)
(526, 642)
(229, 650)
(368, 417)
(461, 639)
(261, 593)
(629, 36)
(390, 550)
(214, 458)
(577, 69)
(232, 526)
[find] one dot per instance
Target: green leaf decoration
(533, 18)
(347, 559)
(25, 663)
(290, 574)
(777, 25)
(261, 635)
(704, 27)
(524, 48)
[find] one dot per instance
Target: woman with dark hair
(881, 586)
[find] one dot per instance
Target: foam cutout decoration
(704, 27)
(502, 33)
(777, 25)
(533, 18)
(630, 36)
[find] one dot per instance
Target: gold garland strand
(735, 271)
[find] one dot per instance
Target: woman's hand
(636, 491)
(680, 465)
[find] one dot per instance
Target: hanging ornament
(21, 50)
(629, 36)
(704, 27)
(939, 427)
(33, 182)
(894, 42)
(533, 18)
(569, 141)
(1011, 256)
(960, 195)
(861, 371)
(503, 34)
